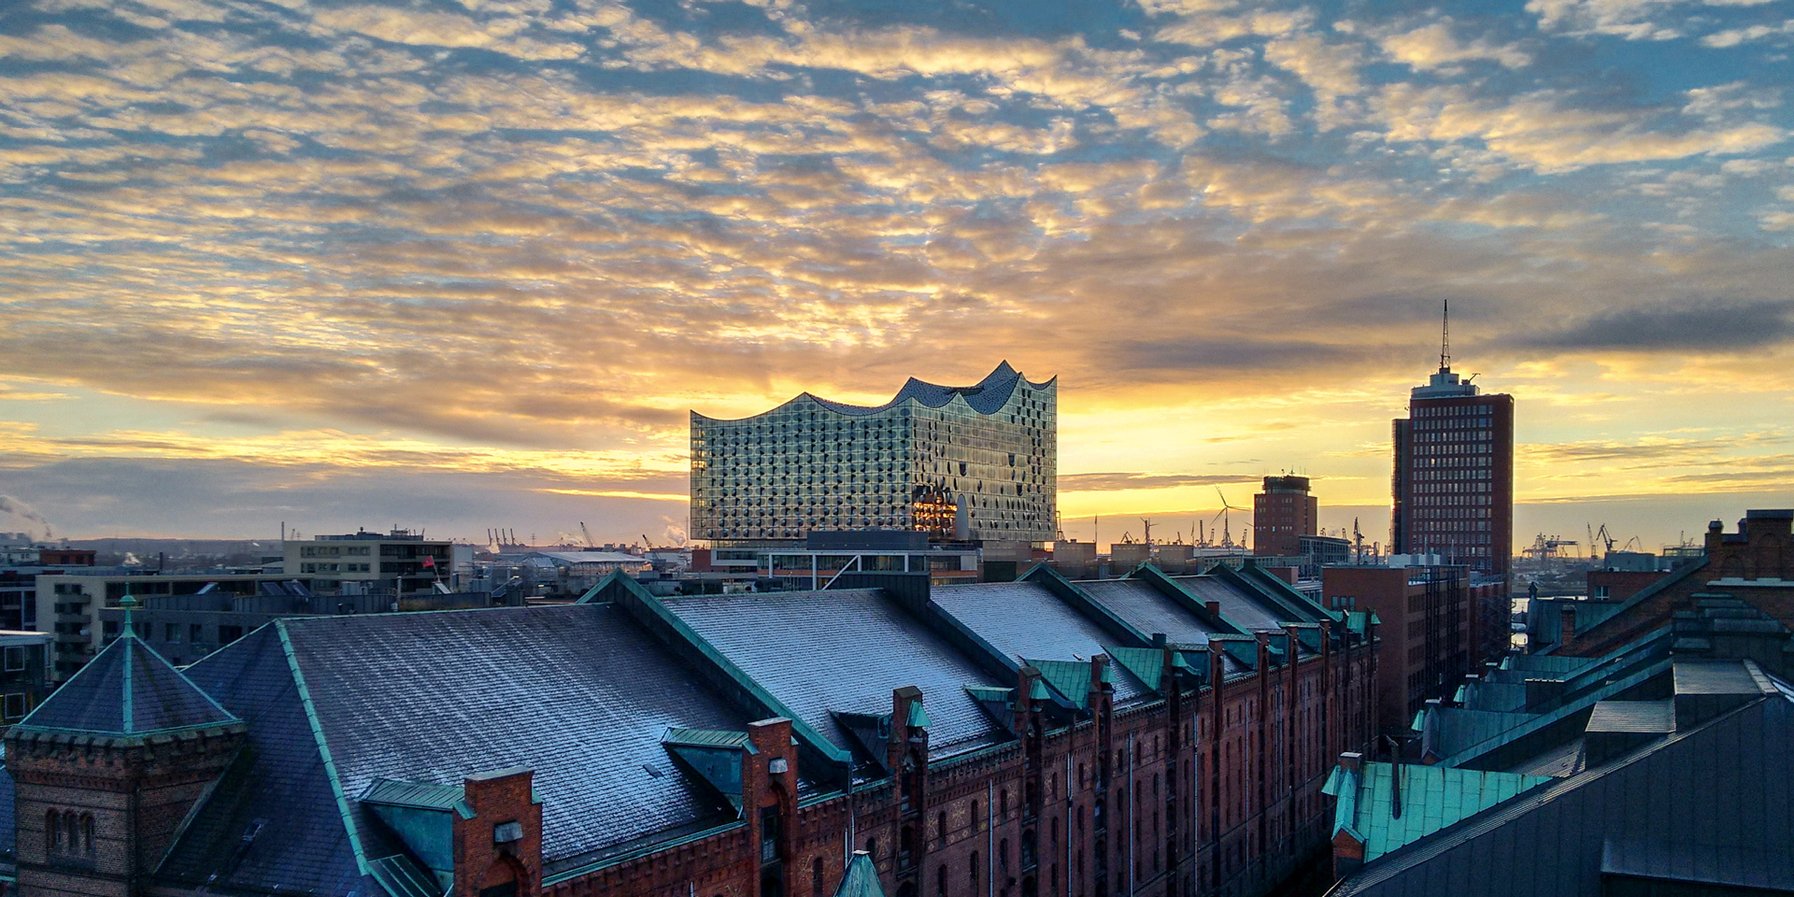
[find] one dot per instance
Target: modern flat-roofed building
(402, 559)
(960, 463)
(1453, 486)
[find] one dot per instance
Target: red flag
(429, 562)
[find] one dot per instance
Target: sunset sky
(464, 265)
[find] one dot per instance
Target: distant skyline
(469, 265)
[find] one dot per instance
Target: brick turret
(108, 766)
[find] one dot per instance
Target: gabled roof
(1025, 620)
(1432, 797)
(340, 708)
(844, 651)
(126, 691)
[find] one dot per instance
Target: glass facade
(977, 462)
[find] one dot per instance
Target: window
(15, 706)
(15, 658)
(816, 877)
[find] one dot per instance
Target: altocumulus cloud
(538, 227)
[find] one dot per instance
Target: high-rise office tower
(977, 463)
(1281, 515)
(1454, 472)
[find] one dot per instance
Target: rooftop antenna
(1445, 340)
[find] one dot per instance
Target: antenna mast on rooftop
(1445, 339)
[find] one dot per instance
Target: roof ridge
(317, 730)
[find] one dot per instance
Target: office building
(960, 463)
(1281, 515)
(400, 559)
(1149, 736)
(70, 605)
(24, 673)
(1453, 486)
(1439, 623)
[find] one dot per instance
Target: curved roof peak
(985, 397)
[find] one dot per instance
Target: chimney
(1214, 607)
(1566, 637)
(1352, 761)
(497, 843)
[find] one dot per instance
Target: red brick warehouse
(1151, 736)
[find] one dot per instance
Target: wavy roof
(987, 396)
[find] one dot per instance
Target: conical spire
(126, 690)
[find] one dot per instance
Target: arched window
(940, 826)
(816, 877)
(872, 849)
(53, 831)
(87, 833)
(974, 869)
(71, 832)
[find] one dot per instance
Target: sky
(460, 265)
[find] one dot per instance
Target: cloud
(1691, 326)
(1434, 46)
(1629, 19)
(1112, 482)
(1732, 37)
(520, 241)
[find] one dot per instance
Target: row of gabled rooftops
(1652, 766)
(627, 706)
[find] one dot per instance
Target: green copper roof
(422, 815)
(1146, 664)
(989, 693)
(861, 879)
(418, 795)
(402, 878)
(1432, 798)
(716, 738)
(918, 717)
(1070, 678)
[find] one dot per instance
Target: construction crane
(588, 534)
(1546, 550)
(1600, 536)
(647, 543)
(1148, 524)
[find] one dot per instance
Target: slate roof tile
(577, 693)
(845, 651)
(1028, 622)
